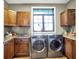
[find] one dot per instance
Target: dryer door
(38, 45)
(56, 45)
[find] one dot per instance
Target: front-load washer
(55, 46)
(38, 46)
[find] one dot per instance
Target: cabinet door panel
(21, 47)
(68, 48)
(19, 18)
(67, 18)
(74, 49)
(23, 18)
(6, 52)
(9, 49)
(12, 18)
(6, 18)
(71, 17)
(63, 18)
(11, 45)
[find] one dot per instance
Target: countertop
(70, 37)
(12, 37)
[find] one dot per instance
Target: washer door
(38, 45)
(56, 45)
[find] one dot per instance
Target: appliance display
(39, 46)
(55, 46)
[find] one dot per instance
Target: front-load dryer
(55, 46)
(38, 47)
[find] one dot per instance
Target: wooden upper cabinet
(6, 18)
(12, 18)
(23, 18)
(63, 18)
(9, 17)
(67, 18)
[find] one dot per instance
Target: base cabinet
(16, 47)
(70, 48)
(21, 47)
(9, 49)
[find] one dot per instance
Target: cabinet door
(9, 50)
(74, 49)
(6, 18)
(67, 18)
(12, 18)
(63, 18)
(21, 47)
(71, 16)
(68, 48)
(6, 54)
(23, 18)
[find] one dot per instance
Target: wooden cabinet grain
(9, 49)
(6, 55)
(12, 18)
(6, 18)
(67, 18)
(9, 17)
(74, 50)
(70, 48)
(21, 47)
(23, 18)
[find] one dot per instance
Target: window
(44, 19)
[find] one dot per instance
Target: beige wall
(5, 4)
(59, 9)
(71, 4)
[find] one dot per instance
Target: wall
(5, 4)
(20, 31)
(27, 7)
(71, 4)
(37, 1)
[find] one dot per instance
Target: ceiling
(37, 1)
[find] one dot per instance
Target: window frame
(45, 32)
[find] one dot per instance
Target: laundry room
(39, 29)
